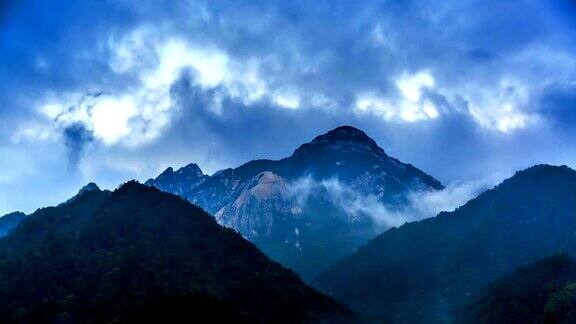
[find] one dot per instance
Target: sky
(108, 91)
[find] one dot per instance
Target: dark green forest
(542, 292)
(138, 254)
(426, 271)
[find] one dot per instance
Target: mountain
(141, 255)
(9, 221)
(310, 209)
(179, 182)
(542, 292)
(423, 271)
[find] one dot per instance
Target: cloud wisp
(419, 204)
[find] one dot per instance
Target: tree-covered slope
(140, 254)
(423, 271)
(542, 292)
(9, 221)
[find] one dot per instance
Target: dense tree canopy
(424, 271)
(542, 292)
(137, 253)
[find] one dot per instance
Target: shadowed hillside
(140, 254)
(423, 271)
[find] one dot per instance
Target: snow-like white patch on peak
(269, 185)
(264, 186)
(268, 177)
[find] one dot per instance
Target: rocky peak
(191, 169)
(180, 181)
(166, 172)
(89, 187)
(341, 138)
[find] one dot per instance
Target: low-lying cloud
(419, 204)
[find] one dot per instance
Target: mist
(419, 204)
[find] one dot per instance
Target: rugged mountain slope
(423, 270)
(307, 211)
(9, 221)
(140, 255)
(179, 182)
(542, 292)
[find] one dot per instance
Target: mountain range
(191, 247)
(141, 255)
(312, 208)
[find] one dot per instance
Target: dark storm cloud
(76, 137)
(559, 103)
(481, 56)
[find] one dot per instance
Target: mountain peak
(90, 187)
(87, 188)
(9, 221)
(180, 181)
(169, 170)
(346, 133)
(191, 167)
(339, 137)
(540, 172)
(135, 186)
(544, 169)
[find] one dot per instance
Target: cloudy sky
(108, 91)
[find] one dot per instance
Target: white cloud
(175, 55)
(504, 107)
(110, 118)
(426, 204)
(411, 86)
(410, 106)
(420, 203)
(287, 100)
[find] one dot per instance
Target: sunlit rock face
(249, 213)
(308, 210)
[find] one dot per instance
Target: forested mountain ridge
(138, 254)
(422, 272)
(541, 292)
(9, 221)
